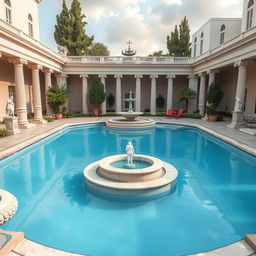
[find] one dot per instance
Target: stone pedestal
(237, 120)
(11, 124)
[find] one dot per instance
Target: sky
(145, 22)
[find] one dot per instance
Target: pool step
(251, 240)
(9, 240)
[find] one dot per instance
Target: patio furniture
(179, 113)
(169, 112)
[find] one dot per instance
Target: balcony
(129, 60)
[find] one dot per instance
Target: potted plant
(160, 102)
(96, 96)
(186, 94)
(111, 101)
(57, 96)
(214, 97)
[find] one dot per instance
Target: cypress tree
(179, 44)
(185, 44)
(79, 41)
(173, 42)
(63, 28)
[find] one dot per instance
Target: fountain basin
(130, 116)
(123, 123)
(157, 178)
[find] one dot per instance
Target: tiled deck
(11, 144)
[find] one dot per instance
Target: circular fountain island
(130, 118)
(131, 175)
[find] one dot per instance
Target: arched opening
(30, 25)
(249, 14)
(8, 11)
(222, 34)
(202, 43)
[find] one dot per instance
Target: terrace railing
(128, 60)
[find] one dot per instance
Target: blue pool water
(138, 164)
(213, 205)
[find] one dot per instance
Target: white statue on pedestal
(10, 107)
(130, 153)
(238, 105)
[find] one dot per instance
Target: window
(195, 47)
(249, 14)
(222, 34)
(126, 104)
(202, 43)
(30, 25)
(8, 11)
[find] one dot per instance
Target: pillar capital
(34, 66)
(170, 76)
(118, 76)
(202, 74)
(243, 63)
(102, 76)
(138, 76)
(47, 70)
(17, 61)
(212, 71)
(153, 76)
(84, 76)
(192, 76)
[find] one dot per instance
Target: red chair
(179, 113)
(169, 112)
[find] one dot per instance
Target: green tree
(179, 44)
(186, 94)
(96, 93)
(70, 30)
(98, 49)
(111, 100)
(79, 40)
(63, 29)
(160, 102)
(173, 42)
(159, 53)
(214, 96)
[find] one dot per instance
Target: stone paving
(11, 144)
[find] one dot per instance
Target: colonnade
(21, 104)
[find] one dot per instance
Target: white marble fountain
(131, 174)
(129, 119)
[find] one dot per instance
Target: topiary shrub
(160, 102)
(111, 101)
(214, 97)
(97, 95)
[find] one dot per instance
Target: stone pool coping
(29, 248)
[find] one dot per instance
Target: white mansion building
(222, 48)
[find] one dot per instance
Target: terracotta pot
(212, 118)
(58, 116)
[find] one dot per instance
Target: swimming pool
(212, 206)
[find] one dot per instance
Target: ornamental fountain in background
(130, 118)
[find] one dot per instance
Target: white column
(37, 102)
(153, 94)
(20, 93)
(170, 91)
(103, 80)
(48, 84)
(212, 75)
(118, 93)
(201, 104)
(238, 113)
(138, 93)
(85, 93)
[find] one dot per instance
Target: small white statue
(130, 153)
(9, 109)
(62, 50)
(238, 105)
